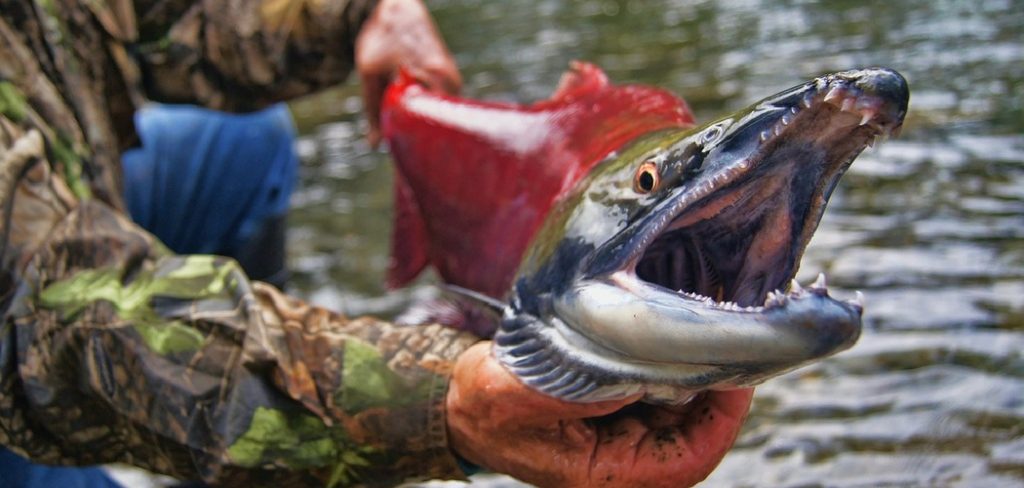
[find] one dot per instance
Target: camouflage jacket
(112, 348)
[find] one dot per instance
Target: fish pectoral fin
(409, 242)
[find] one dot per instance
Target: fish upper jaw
(795, 144)
(734, 230)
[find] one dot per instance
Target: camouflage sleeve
(112, 349)
(241, 55)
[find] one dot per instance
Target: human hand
(496, 421)
(401, 33)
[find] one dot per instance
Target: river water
(929, 226)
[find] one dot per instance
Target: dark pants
(18, 472)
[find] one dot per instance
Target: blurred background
(929, 226)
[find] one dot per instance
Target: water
(930, 226)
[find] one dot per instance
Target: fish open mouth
(694, 292)
(738, 243)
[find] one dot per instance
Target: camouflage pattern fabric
(113, 349)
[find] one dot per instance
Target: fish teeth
(820, 285)
(879, 139)
(834, 94)
(696, 296)
(808, 100)
(848, 105)
(728, 306)
(795, 288)
(866, 118)
(775, 298)
(858, 302)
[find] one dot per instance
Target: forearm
(114, 350)
(244, 55)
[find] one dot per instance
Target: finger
(373, 85)
(714, 423)
(555, 409)
(441, 78)
(659, 416)
(480, 380)
(616, 451)
(445, 78)
(687, 453)
(734, 404)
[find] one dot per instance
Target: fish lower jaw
(558, 362)
(603, 341)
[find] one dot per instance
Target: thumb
(442, 77)
(373, 85)
(540, 407)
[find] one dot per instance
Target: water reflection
(930, 226)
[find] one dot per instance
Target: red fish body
(475, 180)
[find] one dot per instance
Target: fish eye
(646, 178)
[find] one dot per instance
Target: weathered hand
(496, 421)
(401, 33)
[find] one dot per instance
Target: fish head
(669, 269)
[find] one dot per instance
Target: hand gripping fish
(634, 250)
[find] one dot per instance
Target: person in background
(203, 182)
(115, 349)
(209, 182)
